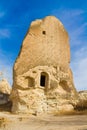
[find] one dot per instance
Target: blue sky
(15, 18)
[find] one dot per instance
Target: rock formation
(82, 102)
(5, 87)
(42, 78)
(5, 91)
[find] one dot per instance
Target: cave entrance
(43, 79)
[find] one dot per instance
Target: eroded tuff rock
(5, 87)
(82, 103)
(5, 91)
(43, 80)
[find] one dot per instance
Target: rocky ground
(66, 119)
(9, 121)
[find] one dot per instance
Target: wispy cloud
(73, 20)
(6, 66)
(79, 67)
(76, 25)
(5, 33)
(78, 35)
(73, 12)
(68, 16)
(2, 14)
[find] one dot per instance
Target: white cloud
(79, 67)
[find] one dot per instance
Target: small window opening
(44, 32)
(42, 80)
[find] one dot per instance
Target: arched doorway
(44, 79)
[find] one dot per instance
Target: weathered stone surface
(43, 80)
(83, 95)
(82, 102)
(5, 91)
(46, 43)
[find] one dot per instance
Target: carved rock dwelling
(42, 78)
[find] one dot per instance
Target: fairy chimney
(42, 78)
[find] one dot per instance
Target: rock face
(43, 80)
